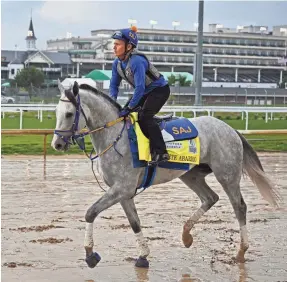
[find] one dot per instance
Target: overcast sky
(54, 19)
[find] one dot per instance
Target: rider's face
(120, 48)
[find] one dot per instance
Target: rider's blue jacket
(139, 66)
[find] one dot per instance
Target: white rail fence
(210, 110)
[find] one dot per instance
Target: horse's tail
(253, 168)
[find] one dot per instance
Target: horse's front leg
(132, 215)
(111, 197)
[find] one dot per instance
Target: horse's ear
(60, 86)
(76, 88)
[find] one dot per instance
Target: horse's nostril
(58, 146)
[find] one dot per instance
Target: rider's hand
(125, 112)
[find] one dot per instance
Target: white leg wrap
(197, 215)
(89, 235)
(194, 218)
(243, 235)
(142, 245)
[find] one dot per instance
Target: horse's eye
(68, 115)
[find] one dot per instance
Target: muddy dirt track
(43, 228)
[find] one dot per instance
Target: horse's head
(69, 117)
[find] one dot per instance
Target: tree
(29, 77)
(172, 79)
(182, 81)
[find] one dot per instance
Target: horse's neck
(101, 112)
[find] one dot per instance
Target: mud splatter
(14, 264)
(258, 220)
(58, 220)
(155, 238)
(107, 217)
(51, 240)
(130, 259)
(39, 228)
(121, 226)
(211, 221)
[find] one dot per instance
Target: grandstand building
(244, 57)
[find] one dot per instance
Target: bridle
(76, 137)
(67, 138)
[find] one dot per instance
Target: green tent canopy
(99, 75)
(6, 84)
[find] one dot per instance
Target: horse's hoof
(142, 262)
(93, 260)
(240, 258)
(187, 240)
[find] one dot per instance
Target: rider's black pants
(151, 104)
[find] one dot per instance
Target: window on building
(12, 71)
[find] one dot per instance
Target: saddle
(160, 119)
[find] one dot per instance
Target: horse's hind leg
(194, 179)
(231, 186)
(132, 215)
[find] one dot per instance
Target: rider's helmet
(129, 35)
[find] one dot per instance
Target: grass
(33, 144)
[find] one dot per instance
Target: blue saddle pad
(178, 129)
(170, 165)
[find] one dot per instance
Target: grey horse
(223, 151)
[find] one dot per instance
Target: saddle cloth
(180, 136)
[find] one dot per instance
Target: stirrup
(159, 158)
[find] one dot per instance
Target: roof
(100, 75)
(82, 42)
(56, 57)
(9, 55)
(107, 74)
(16, 61)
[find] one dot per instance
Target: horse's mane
(102, 94)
